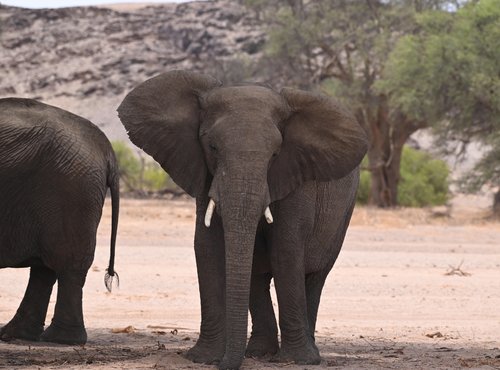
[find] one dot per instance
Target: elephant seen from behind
(275, 177)
(55, 169)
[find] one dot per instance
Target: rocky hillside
(86, 59)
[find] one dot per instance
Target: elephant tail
(113, 182)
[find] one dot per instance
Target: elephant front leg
(67, 326)
(210, 262)
(29, 320)
(297, 345)
(264, 338)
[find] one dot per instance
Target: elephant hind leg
(67, 325)
(29, 320)
(316, 280)
(264, 338)
(314, 285)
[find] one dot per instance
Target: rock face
(86, 59)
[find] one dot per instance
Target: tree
(342, 47)
(448, 75)
(424, 180)
(139, 173)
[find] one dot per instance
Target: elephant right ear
(162, 117)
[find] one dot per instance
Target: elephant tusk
(210, 212)
(268, 215)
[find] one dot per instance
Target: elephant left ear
(322, 141)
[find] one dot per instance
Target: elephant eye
(212, 147)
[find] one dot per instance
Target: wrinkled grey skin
(55, 168)
(247, 147)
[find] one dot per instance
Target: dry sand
(388, 303)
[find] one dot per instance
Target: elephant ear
(162, 117)
(322, 141)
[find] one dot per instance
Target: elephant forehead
(246, 100)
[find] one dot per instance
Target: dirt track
(388, 302)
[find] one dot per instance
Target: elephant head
(244, 147)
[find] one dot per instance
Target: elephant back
(31, 131)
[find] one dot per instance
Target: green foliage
(449, 75)
(342, 48)
(424, 180)
(128, 163)
(363, 196)
(310, 42)
(140, 173)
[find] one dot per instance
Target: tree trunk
(496, 204)
(388, 134)
(384, 166)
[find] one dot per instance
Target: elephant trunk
(241, 208)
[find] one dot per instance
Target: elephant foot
(227, 364)
(206, 353)
(261, 346)
(18, 329)
(305, 355)
(64, 334)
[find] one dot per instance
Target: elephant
(55, 169)
(275, 177)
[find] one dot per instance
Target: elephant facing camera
(275, 177)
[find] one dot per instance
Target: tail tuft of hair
(108, 280)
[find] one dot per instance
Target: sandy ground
(388, 303)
